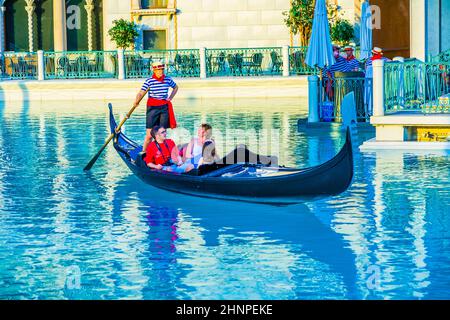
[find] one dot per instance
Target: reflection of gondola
(246, 178)
(293, 226)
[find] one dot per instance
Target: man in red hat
(377, 54)
(159, 105)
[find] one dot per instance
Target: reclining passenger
(163, 154)
(209, 155)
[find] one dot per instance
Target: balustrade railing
(333, 91)
(297, 64)
(80, 64)
(244, 61)
(18, 65)
(417, 86)
(179, 63)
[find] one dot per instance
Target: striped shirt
(158, 90)
(341, 65)
(353, 64)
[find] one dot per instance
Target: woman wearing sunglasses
(163, 154)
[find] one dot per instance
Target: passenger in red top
(163, 154)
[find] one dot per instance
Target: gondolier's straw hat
(348, 48)
(158, 65)
(377, 50)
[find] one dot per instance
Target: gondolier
(353, 63)
(159, 104)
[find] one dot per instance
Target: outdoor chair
(185, 61)
(256, 62)
(95, 65)
(298, 62)
(81, 66)
(194, 65)
(63, 66)
(235, 62)
(178, 63)
(276, 61)
(219, 63)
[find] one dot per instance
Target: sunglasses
(162, 132)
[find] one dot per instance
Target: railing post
(121, 64)
(40, 65)
(401, 81)
(202, 63)
(378, 88)
(285, 52)
(313, 98)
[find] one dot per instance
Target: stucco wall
(113, 10)
(232, 23)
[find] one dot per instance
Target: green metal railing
(332, 93)
(80, 64)
(244, 62)
(179, 63)
(18, 65)
(297, 65)
(417, 86)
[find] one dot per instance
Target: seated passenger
(163, 154)
(194, 148)
(209, 155)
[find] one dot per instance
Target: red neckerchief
(159, 79)
(376, 56)
(352, 57)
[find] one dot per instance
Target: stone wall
(232, 23)
(113, 10)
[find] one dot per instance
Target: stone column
(313, 99)
(121, 74)
(89, 9)
(41, 65)
(285, 51)
(30, 9)
(2, 23)
(202, 63)
(378, 88)
(59, 25)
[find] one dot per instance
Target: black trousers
(157, 116)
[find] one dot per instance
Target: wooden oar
(94, 159)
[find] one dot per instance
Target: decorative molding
(89, 9)
(30, 6)
(153, 12)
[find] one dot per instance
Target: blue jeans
(175, 168)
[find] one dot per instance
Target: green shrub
(123, 33)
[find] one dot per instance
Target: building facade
(407, 27)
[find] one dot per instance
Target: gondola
(245, 176)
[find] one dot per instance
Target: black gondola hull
(328, 179)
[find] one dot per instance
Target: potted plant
(123, 33)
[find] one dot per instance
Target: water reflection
(224, 246)
(385, 238)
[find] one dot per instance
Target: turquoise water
(66, 234)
